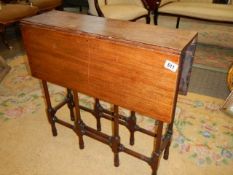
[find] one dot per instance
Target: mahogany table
(136, 66)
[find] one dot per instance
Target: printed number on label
(170, 66)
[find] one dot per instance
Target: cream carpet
(202, 142)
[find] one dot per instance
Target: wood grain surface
(104, 61)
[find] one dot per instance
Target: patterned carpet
(202, 142)
(215, 41)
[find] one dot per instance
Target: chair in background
(195, 9)
(12, 13)
(45, 5)
(130, 10)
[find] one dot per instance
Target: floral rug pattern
(202, 132)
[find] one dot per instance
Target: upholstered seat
(14, 12)
(209, 11)
(195, 9)
(11, 13)
(120, 9)
(128, 12)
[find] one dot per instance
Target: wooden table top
(171, 40)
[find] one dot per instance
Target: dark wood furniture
(114, 61)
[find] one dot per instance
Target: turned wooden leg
(169, 132)
(97, 110)
(156, 152)
(166, 151)
(116, 137)
(169, 136)
(79, 126)
(132, 123)
(50, 110)
(70, 103)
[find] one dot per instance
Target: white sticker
(170, 66)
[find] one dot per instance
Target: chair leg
(61, 8)
(178, 22)
(4, 39)
(148, 18)
(156, 18)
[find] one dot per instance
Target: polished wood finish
(113, 61)
(138, 74)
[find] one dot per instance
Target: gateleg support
(50, 110)
(169, 131)
(155, 158)
(97, 112)
(131, 126)
(78, 124)
(116, 137)
(70, 103)
(167, 148)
